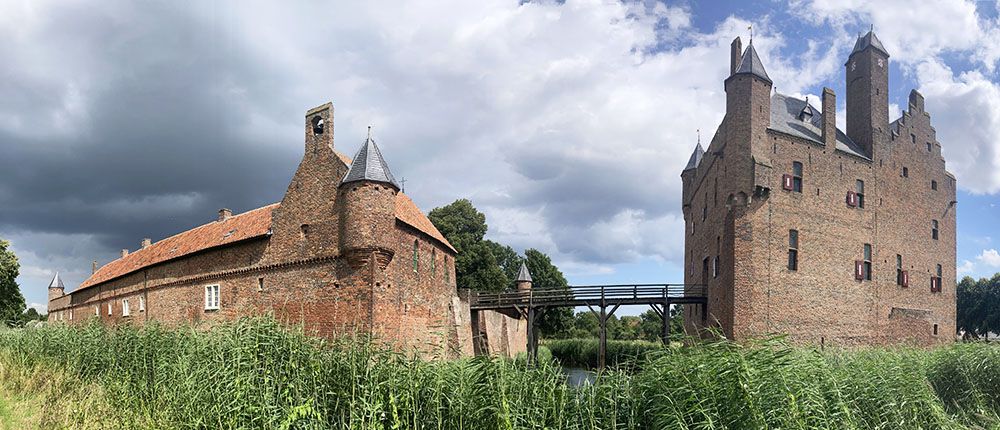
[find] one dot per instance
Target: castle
(829, 236)
(344, 252)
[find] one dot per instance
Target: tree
(31, 315)
(475, 266)
(555, 322)
(11, 300)
(506, 257)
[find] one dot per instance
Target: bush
(586, 352)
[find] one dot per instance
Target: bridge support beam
(602, 319)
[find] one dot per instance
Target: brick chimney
(829, 119)
(224, 214)
(124, 252)
(146, 242)
(735, 55)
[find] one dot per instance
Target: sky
(566, 123)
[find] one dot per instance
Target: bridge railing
(595, 294)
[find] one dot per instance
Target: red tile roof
(247, 225)
(238, 227)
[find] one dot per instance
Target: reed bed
(255, 374)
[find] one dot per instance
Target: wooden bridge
(602, 300)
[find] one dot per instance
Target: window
(797, 177)
(97, 311)
(142, 304)
(935, 329)
(867, 273)
(860, 185)
(416, 256)
(913, 138)
(704, 211)
(929, 147)
(939, 271)
(109, 308)
(125, 309)
(260, 284)
(704, 271)
(211, 297)
(906, 172)
(715, 267)
(933, 185)
(902, 277)
(447, 273)
(793, 250)
(934, 229)
(71, 315)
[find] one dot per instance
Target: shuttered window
(793, 250)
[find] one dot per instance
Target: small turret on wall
(368, 205)
(56, 288)
(523, 281)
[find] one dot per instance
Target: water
(576, 376)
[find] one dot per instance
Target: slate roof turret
(695, 157)
(750, 64)
(56, 282)
(869, 40)
(368, 165)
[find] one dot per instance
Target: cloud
(989, 257)
(966, 268)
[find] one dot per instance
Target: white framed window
(142, 304)
(125, 309)
(211, 297)
(71, 315)
(97, 311)
(109, 308)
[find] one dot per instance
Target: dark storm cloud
(158, 147)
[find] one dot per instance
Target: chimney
(93, 267)
(735, 55)
(224, 214)
(146, 242)
(124, 252)
(829, 119)
(916, 101)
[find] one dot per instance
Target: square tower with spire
(831, 237)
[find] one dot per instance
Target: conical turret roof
(869, 40)
(695, 157)
(523, 275)
(368, 165)
(56, 282)
(750, 64)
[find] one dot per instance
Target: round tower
(523, 281)
(56, 288)
(367, 202)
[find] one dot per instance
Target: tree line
(978, 303)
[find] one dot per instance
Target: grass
(255, 374)
(585, 353)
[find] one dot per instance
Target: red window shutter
(859, 270)
(852, 199)
(786, 182)
(906, 279)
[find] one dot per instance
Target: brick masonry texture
(737, 210)
(335, 259)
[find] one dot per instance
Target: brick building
(829, 236)
(345, 251)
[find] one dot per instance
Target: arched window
(416, 255)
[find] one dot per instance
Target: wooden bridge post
(665, 315)
(531, 347)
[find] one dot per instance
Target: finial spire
(369, 132)
(750, 27)
(698, 130)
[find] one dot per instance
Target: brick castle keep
(831, 237)
(345, 251)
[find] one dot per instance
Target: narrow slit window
(416, 255)
(934, 229)
(933, 185)
(899, 270)
(906, 172)
(142, 304)
(715, 267)
(433, 262)
(793, 250)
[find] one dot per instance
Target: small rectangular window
(142, 304)
(715, 267)
(793, 250)
(933, 185)
(913, 138)
(260, 284)
(867, 266)
(935, 329)
(109, 308)
(797, 176)
(97, 311)
(906, 172)
(211, 297)
(899, 270)
(934, 229)
(125, 309)
(860, 186)
(71, 315)
(929, 147)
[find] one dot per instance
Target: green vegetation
(11, 300)
(254, 374)
(978, 302)
(585, 352)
